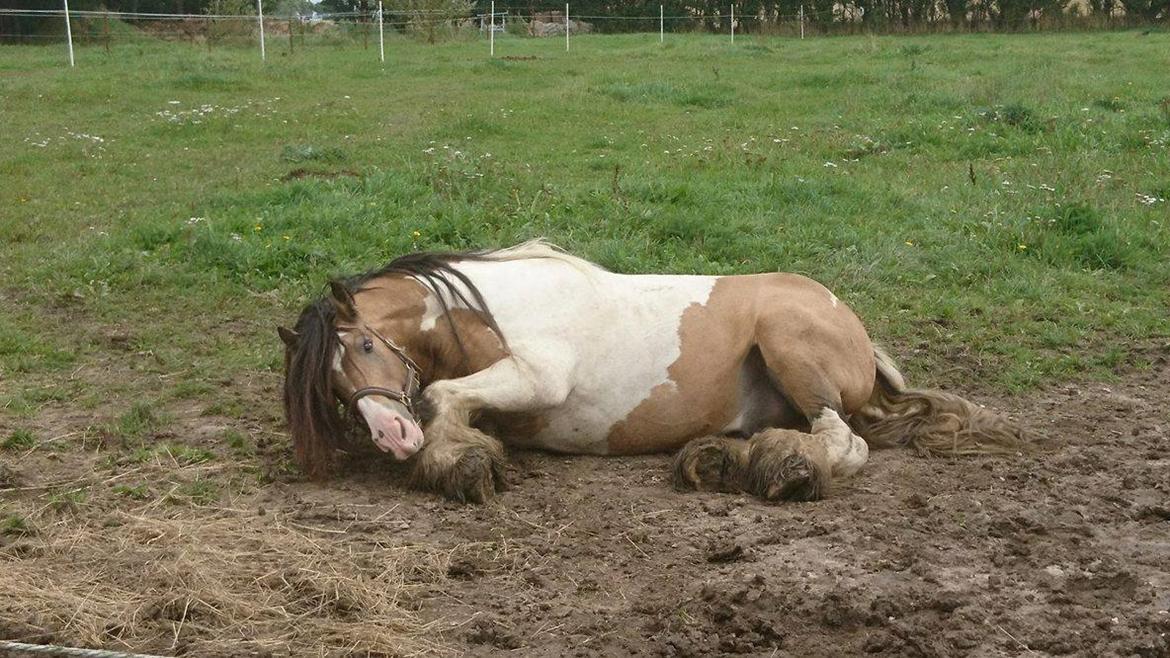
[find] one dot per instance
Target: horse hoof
(707, 464)
(794, 478)
(476, 477)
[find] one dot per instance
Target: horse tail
(932, 422)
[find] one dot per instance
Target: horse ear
(342, 300)
(289, 336)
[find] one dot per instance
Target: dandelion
(1022, 247)
(257, 228)
(909, 243)
(286, 238)
(415, 234)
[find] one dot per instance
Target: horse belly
(625, 358)
(581, 427)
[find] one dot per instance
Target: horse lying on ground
(768, 383)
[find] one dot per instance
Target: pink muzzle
(391, 430)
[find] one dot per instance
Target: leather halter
(406, 395)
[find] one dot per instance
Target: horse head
(343, 355)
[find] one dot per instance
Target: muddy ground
(1065, 551)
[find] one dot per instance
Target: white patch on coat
(834, 300)
(534, 250)
(847, 451)
(338, 355)
(434, 311)
(620, 332)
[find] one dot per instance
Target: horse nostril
(381, 434)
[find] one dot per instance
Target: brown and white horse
(768, 383)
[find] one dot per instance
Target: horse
(766, 384)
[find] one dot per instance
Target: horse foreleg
(462, 462)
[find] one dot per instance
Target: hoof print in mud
(475, 478)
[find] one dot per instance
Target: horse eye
(367, 345)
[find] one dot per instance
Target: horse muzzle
(393, 430)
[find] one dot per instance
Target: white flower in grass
(196, 220)
(236, 237)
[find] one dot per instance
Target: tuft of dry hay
(228, 583)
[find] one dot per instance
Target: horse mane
(451, 288)
(310, 402)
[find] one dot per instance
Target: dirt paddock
(1066, 551)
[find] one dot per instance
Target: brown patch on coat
(702, 394)
(817, 352)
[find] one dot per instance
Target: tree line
(711, 15)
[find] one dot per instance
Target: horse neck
(443, 356)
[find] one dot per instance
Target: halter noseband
(406, 395)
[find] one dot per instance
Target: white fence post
(381, 40)
(69, 34)
(492, 30)
(802, 21)
(732, 23)
(260, 14)
(661, 25)
(566, 27)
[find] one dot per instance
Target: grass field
(997, 199)
(994, 207)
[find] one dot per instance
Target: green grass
(20, 439)
(980, 195)
(15, 526)
(134, 492)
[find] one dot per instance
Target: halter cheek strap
(406, 395)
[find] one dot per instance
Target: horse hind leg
(775, 464)
(792, 465)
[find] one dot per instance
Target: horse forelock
(310, 404)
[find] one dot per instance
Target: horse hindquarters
(820, 358)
